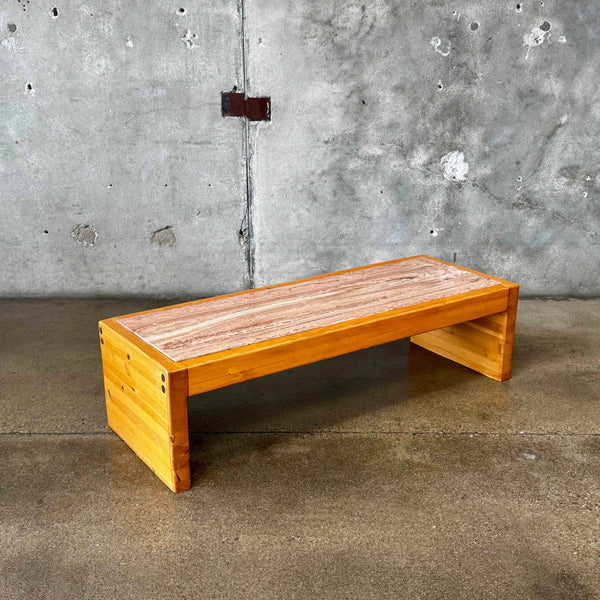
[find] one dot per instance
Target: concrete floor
(388, 473)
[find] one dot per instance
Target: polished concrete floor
(387, 473)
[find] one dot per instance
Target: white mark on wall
(189, 39)
(454, 165)
(129, 42)
(441, 47)
(536, 36)
(10, 43)
(369, 150)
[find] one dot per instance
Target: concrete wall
(465, 130)
(118, 175)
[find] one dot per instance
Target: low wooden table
(154, 360)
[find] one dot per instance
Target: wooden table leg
(146, 405)
(484, 345)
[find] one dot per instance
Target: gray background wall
(465, 130)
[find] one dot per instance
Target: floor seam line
(348, 432)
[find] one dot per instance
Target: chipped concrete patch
(189, 39)
(441, 47)
(454, 165)
(536, 36)
(164, 237)
(86, 235)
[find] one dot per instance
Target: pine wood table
(154, 360)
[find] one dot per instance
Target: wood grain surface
(222, 323)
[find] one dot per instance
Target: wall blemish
(441, 47)
(85, 235)
(454, 165)
(189, 39)
(10, 43)
(164, 237)
(536, 36)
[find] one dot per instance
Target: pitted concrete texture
(118, 173)
(371, 516)
(462, 130)
(387, 473)
(468, 131)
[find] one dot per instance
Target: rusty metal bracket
(236, 104)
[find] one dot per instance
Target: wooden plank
(157, 440)
(141, 447)
(140, 351)
(146, 403)
(502, 281)
(236, 365)
(484, 345)
(509, 341)
(156, 411)
(225, 323)
(455, 344)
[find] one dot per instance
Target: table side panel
(484, 345)
(146, 404)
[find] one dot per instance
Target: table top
(208, 326)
